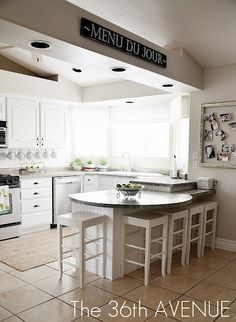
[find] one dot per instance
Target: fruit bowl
(128, 190)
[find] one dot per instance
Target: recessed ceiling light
(129, 102)
(118, 69)
(167, 85)
(40, 44)
(77, 70)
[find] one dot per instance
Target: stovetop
(9, 180)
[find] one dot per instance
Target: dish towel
(4, 200)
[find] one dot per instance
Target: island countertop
(148, 199)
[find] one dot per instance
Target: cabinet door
(54, 125)
(2, 109)
(23, 123)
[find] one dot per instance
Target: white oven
(10, 222)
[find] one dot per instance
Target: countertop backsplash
(50, 157)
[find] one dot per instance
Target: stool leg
(170, 245)
(189, 231)
(164, 249)
(104, 250)
(147, 255)
(60, 248)
(199, 242)
(141, 238)
(183, 257)
(123, 238)
(81, 256)
(204, 231)
(213, 229)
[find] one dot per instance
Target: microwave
(3, 134)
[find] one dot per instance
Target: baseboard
(226, 244)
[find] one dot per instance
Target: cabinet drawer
(41, 218)
(36, 182)
(36, 205)
(90, 180)
(36, 193)
(107, 181)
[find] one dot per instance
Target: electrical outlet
(195, 155)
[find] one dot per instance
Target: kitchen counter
(164, 183)
(147, 200)
(67, 172)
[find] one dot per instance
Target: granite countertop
(148, 199)
(162, 181)
(197, 193)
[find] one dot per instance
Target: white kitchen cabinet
(2, 108)
(54, 129)
(90, 183)
(23, 123)
(110, 182)
(35, 125)
(36, 204)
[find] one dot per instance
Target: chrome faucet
(123, 157)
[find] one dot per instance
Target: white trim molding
(226, 244)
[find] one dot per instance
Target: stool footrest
(177, 246)
(195, 226)
(210, 220)
(194, 239)
(158, 240)
(134, 262)
(209, 233)
(93, 256)
(89, 241)
(71, 235)
(178, 232)
(135, 247)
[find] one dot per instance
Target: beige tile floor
(38, 296)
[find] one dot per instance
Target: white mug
(11, 155)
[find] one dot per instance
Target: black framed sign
(110, 38)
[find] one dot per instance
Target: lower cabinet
(109, 182)
(36, 203)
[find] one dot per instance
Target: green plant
(77, 162)
(103, 162)
(90, 162)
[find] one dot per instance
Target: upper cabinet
(23, 123)
(54, 130)
(33, 125)
(2, 109)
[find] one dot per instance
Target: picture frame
(218, 135)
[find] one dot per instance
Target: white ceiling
(92, 74)
(205, 28)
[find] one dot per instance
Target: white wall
(219, 85)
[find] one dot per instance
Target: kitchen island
(107, 203)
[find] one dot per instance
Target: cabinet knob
(36, 183)
(36, 193)
(89, 180)
(36, 206)
(37, 141)
(42, 141)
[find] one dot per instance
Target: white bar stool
(146, 221)
(178, 225)
(195, 229)
(209, 220)
(81, 221)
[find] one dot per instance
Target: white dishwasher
(62, 188)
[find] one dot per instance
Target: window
(146, 139)
(91, 140)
